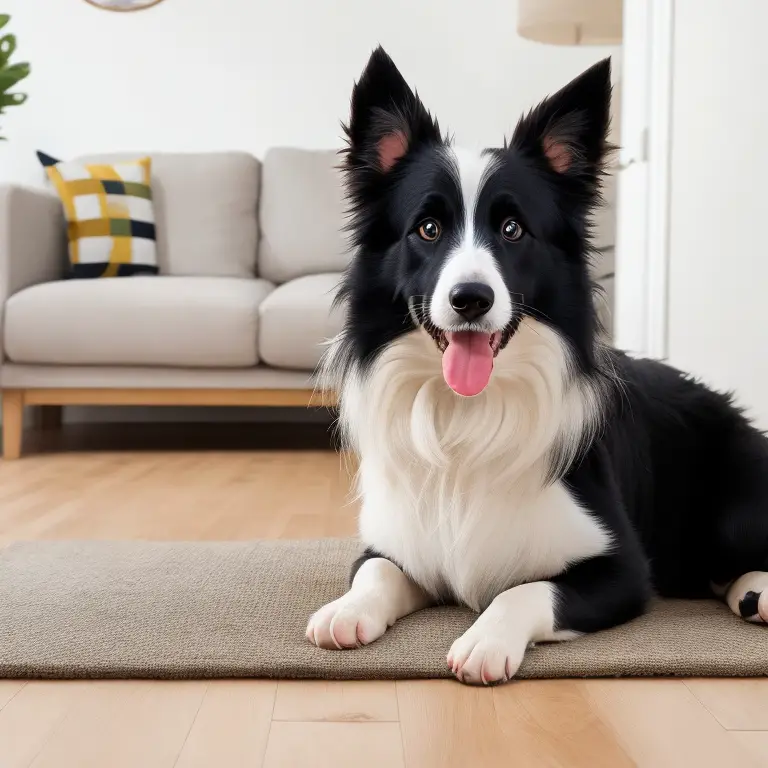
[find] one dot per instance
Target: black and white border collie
(508, 460)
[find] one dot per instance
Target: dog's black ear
(387, 119)
(569, 129)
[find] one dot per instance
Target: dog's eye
(429, 230)
(511, 230)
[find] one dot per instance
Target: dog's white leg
(493, 647)
(748, 597)
(380, 595)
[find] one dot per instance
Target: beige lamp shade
(570, 22)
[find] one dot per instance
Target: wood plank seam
(269, 730)
(192, 724)
(21, 688)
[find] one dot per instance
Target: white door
(640, 313)
(692, 259)
(718, 249)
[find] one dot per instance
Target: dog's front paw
(346, 623)
(485, 656)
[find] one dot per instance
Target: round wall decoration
(123, 5)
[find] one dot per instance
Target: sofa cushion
(296, 318)
(301, 215)
(165, 321)
(110, 216)
(205, 210)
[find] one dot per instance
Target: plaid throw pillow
(111, 219)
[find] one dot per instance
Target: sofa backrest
(206, 205)
(225, 214)
(301, 214)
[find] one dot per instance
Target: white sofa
(250, 254)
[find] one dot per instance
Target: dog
(509, 460)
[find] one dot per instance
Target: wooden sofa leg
(48, 417)
(13, 420)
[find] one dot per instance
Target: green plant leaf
(11, 75)
(7, 47)
(11, 99)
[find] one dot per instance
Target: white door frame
(642, 231)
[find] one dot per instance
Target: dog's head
(467, 244)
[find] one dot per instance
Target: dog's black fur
(548, 269)
(676, 472)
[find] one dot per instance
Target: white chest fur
(476, 546)
(453, 489)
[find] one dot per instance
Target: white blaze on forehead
(470, 260)
(471, 171)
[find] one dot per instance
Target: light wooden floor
(218, 494)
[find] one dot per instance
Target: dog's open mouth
(468, 357)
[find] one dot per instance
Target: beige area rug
(232, 609)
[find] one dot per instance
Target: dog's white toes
(484, 659)
(762, 606)
(753, 607)
(459, 653)
(319, 626)
(345, 624)
(748, 597)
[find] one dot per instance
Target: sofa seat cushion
(295, 320)
(162, 321)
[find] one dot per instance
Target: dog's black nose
(471, 300)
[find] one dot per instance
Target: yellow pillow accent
(110, 215)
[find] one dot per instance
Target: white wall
(718, 271)
(208, 74)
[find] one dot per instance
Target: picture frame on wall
(123, 5)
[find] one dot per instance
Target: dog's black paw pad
(748, 606)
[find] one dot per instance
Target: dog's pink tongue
(468, 362)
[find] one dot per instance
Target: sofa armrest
(33, 239)
(33, 242)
